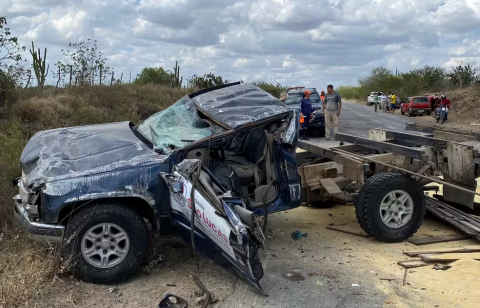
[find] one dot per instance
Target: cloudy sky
(294, 42)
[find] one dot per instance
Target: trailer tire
(382, 189)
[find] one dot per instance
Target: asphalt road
(357, 119)
(328, 270)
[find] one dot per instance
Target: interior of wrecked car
(243, 164)
(240, 160)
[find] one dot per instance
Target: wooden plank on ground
(438, 239)
(348, 230)
(330, 186)
(466, 249)
(412, 263)
(449, 257)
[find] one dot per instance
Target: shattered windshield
(177, 125)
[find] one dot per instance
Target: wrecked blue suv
(226, 154)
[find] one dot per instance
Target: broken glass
(176, 126)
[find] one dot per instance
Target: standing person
(392, 103)
(307, 110)
(432, 105)
(375, 101)
(445, 102)
(389, 97)
(331, 110)
(322, 96)
(383, 99)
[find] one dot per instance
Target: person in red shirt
(445, 102)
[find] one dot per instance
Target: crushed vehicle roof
(238, 103)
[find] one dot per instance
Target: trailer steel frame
(426, 156)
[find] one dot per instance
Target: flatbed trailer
(386, 175)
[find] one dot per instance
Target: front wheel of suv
(106, 243)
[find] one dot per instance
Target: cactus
(39, 66)
(176, 79)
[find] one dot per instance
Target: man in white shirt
(383, 101)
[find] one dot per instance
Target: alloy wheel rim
(105, 245)
(396, 209)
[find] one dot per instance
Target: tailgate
(420, 103)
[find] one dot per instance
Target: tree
(87, 64)
(154, 75)
(380, 79)
(12, 71)
(11, 62)
(207, 81)
(274, 89)
(158, 75)
(464, 75)
(433, 78)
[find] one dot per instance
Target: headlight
(24, 176)
(25, 193)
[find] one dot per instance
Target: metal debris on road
(441, 267)
(208, 296)
(294, 276)
(172, 301)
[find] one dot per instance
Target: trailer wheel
(390, 207)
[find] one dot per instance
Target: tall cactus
(39, 66)
(176, 79)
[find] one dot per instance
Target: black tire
(367, 206)
(312, 132)
(316, 132)
(321, 131)
(121, 215)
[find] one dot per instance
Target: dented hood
(237, 104)
(82, 150)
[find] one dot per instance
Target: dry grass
(26, 270)
(465, 108)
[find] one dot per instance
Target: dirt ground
(328, 255)
(451, 124)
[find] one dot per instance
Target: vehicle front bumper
(40, 233)
(318, 121)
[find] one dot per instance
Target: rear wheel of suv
(107, 243)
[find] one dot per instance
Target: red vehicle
(416, 105)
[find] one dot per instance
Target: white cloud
(308, 42)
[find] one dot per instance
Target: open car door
(225, 231)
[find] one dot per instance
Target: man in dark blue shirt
(306, 107)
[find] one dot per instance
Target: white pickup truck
(370, 98)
